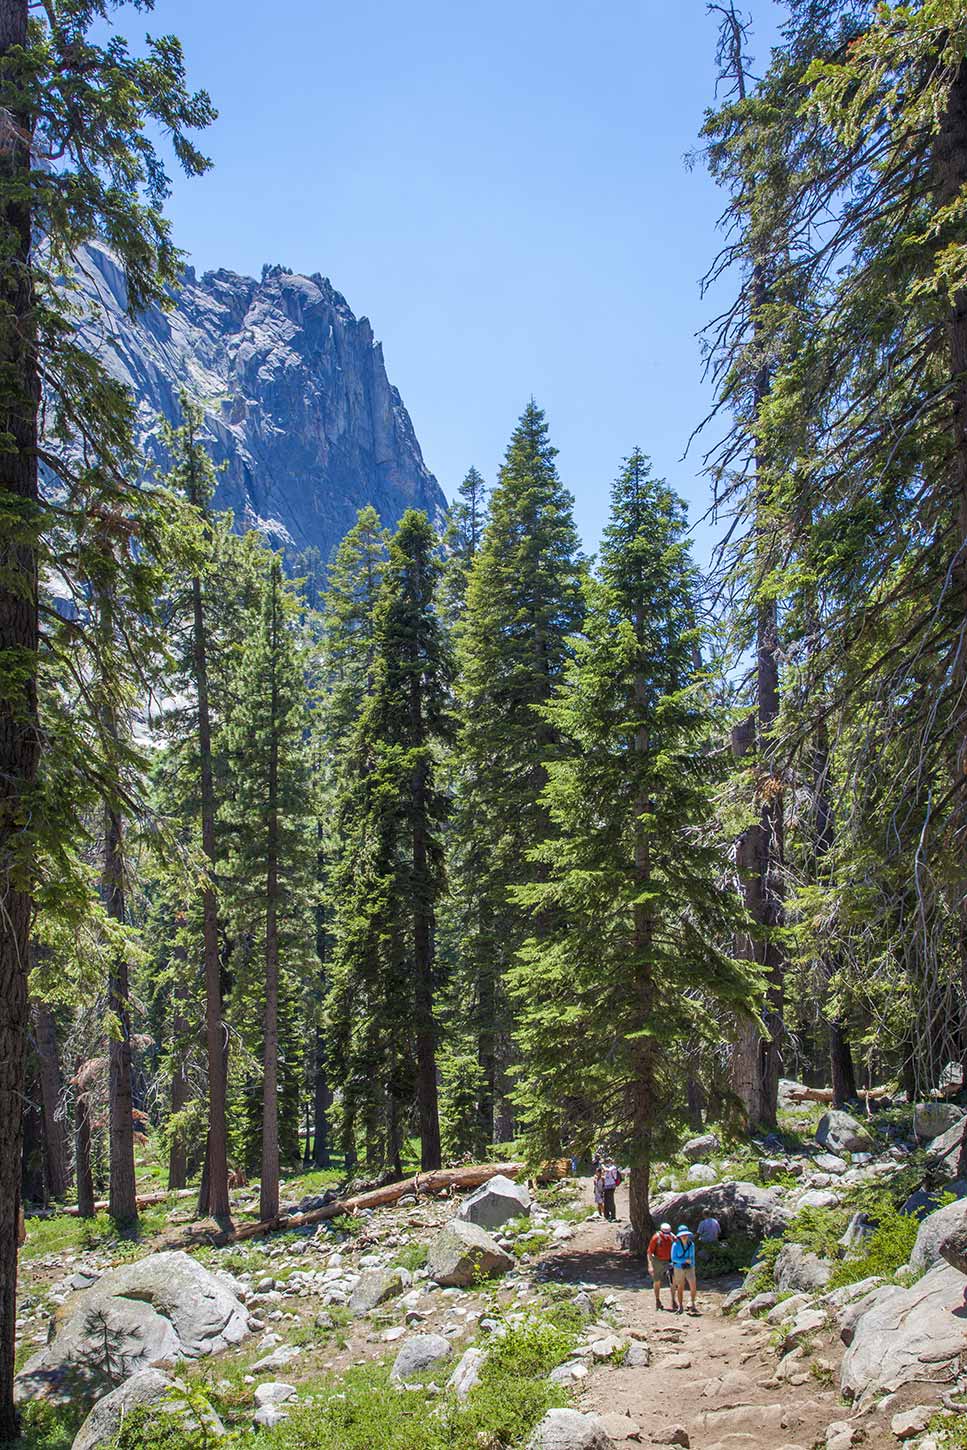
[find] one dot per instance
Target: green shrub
(729, 1256)
(412, 1256)
(47, 1427)
(889, 1246)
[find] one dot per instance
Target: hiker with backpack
(612, 1179)
(599, 1190)
(683, 1270)
(660, 1260)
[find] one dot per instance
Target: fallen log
(145, 1200)
(209, 1231)
(802, 1094)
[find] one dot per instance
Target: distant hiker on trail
(683, 1270)
(709, 1230)
(660, 1260)
(612, 1178)
(599, 1189)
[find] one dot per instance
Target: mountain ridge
(299, 414)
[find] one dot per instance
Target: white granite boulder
(157, 1310)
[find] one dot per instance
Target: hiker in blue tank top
(683, 1270)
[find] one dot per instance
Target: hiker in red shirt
(660, 1259)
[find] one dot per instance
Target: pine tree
(347, 666)
(89, 109)
(523, 605)
(192, 476)
(272, 849)
(462, 537)
(390, 874)
(632, 913)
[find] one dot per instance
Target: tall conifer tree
(632, 912)
(523, 605)
(391, 873)
(273, 847)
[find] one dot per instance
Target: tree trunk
(32, 1177)
(760, 850)
(321, 1103)
(215, 1176)
(180, 1088)
(269, 1190)
(122, 1190)
(19, 730)
(642, 946)
(51, 1090)
(951, 169)
(487, 1054)
(755, 1059)
(423, 950)
(695, 1098)
(82, 1153)
(843, 1075)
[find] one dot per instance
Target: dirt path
(713, 1376)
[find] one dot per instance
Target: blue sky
(501, 189)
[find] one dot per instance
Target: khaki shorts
(658, 1269)
(685, 1276)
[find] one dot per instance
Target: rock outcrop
(297, 404)
(463, 1252)
(840, 1132)
(905, 1336)
(149, 1389)
(934, 1230)
(496, 1203)
(159, 1309)
(743, 1208)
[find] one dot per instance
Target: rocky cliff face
(297, 403)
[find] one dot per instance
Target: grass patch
(47, 1427)
(364, 1409)
(733, 1255)
(412, 1257)
(533, 1242)
(888, 1247)
(63, 1233)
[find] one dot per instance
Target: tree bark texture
(19, 731)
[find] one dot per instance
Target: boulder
(920, 1203)
(741, 1208)
(498, 1201)
(274, 1392)
(800, 1270)
(149, 1387)
(840, 1133)
(806, 1323)
(858, 1230)
(268, 1416)
(818, 1198)
(906, 1335)
(569, 1430)
(467, 1373)
(698, 1148)
(907, 1423)
(418, 1354)
(375, 1287)
(462, 1252)
(944, 1223)
(622, 1427)
(953, 1247)
(830, 1163)
(159, 1309)
(931, 1120)
(702, 1173)
(943, 1153)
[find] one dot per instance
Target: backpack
(618, 1180)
